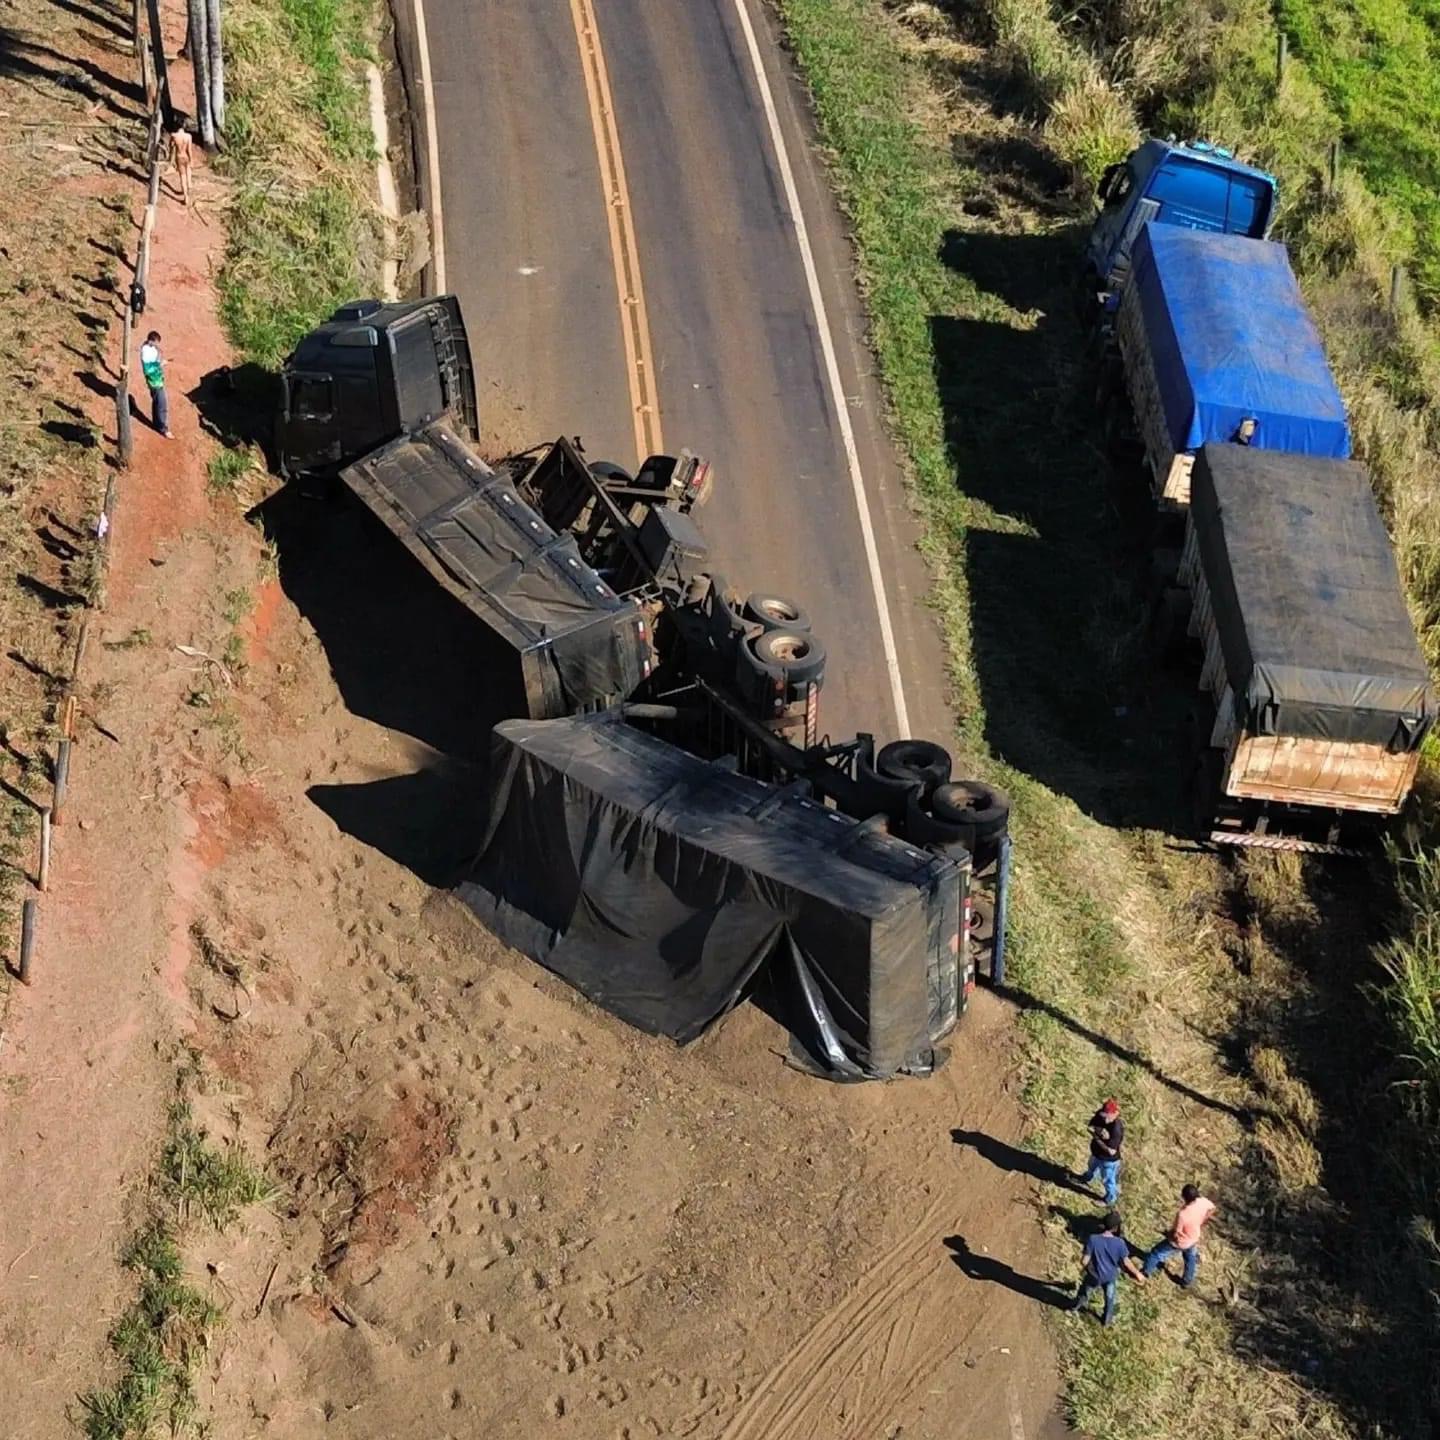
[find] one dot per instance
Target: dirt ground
(499, 1209)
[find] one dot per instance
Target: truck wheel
(1087, 300)
(776, 612)
(609, 470)
(921, 760)
(982, 918)
(972, 802)
(1205, 789)
(1112, 426)
(789, 655)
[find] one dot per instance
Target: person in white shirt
(152, 366)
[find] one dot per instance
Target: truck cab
(1196, 185)
(371, 373)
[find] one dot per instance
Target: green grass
(229, 468)
(303, 234)
(165, 1334)
(199, 1178)
(1378, 64)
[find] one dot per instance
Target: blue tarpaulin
(1230, 340)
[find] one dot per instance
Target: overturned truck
(666, 829)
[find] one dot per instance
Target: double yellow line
(634, 323)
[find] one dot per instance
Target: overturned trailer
(669, 883)
(667, 823)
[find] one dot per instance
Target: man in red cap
(1107, 1136)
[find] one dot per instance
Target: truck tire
(1110, 384)
(1087, 300)
(973, 803)
(1170, 625)
(788, 655)
(609, 470)
(921, 827)
(1205, 782)
(982, 917)
(921, 760)
(1113, 428)
(776, 612)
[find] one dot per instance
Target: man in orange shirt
(1184, 1236)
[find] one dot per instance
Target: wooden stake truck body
(1321, 694)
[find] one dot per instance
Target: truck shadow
(1058, 547)
(409, 658)
(1338, 1199)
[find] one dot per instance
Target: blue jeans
(1088, 1286)
(1109, 1173)
(1163, 1252)
(160, 403)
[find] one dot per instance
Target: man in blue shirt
(1106, 1255)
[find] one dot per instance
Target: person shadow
(1022, 1162)
(988, 1269)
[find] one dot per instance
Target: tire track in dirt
(891, 1314)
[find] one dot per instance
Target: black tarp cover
(474, 533)
(1312, 623)
(659, 884)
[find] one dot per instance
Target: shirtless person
(181, 153)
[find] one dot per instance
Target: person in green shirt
(152, 366)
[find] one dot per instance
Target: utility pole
(200, 64)
(217, 64)
(162, 74)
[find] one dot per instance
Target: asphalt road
(739, 371)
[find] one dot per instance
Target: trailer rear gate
(579, 643)
(1323, 697)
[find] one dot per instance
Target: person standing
(152, 366)
(182, 154)
(1183, 1237)
(1107, 1137)
(1106, 1255)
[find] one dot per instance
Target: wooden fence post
(1334, 166)
(124, 435)
(27, 939)
(1397, 286)
(1282, 54)
(62, 782)
(43, 878)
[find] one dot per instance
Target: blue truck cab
(1197, 185)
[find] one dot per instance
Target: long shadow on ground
(1076, 694)
(1341, 1296)
(1074, 687)
(410, 658)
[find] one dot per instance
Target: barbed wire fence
(161, 119)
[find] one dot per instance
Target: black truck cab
(373, 372)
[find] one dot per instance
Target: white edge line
(832, 369)
(432, 152)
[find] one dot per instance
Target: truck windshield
(1207, 197)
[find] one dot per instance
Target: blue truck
(1315, 698)
(1194, 186)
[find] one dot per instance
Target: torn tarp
(661, 885)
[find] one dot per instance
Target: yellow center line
(634, 323)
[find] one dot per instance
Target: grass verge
(166, 1333)
(1215, 999)
(1378, 65)
(303, 231)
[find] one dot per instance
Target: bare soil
(500, 1209)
